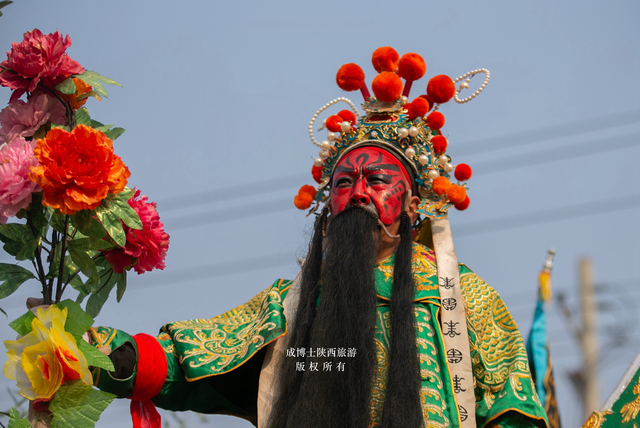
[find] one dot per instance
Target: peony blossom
(77, 169)
(44, 359)
(145, 249)
(16, 160)
(20, 119)
(38, 59)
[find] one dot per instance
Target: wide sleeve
(505, 393)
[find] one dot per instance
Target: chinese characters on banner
(321, 353)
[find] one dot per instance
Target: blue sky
(218, 95)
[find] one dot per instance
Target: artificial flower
(16, 160)
(38, 59)
(20, 119)
(45, 358)
(77, 169)
(145, 249)
(81, 88)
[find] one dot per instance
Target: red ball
(385, 59)
(347, 116)
(439, 144)
(333, 123)
(456, 194)
(308, 189)
(440, 185)
(426, 97)
(435, 120)
(463, 205)
(419, 107)
(441, 88)
(316, 173)
(463, 172)
(387, 86)
(302, 201)
(350, 77)
(411, 66)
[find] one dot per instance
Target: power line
(474, 147)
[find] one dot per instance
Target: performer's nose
(359, 195)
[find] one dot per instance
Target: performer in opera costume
(382, 327)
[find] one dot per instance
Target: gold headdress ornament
(409, 130)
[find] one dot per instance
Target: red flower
(145, 249)
(38, 59)
(77, 169)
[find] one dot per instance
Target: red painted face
(370, 176)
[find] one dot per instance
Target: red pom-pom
(411, 66)
(426, 98)
(435, 120)
(316, 173)
(463, 205)
(387, 86)
(308, 189)
(419, 107)
(456, 194)
(302, 201)
(333, 123)
(440, 185)
(463, 171)
(350, 77)
(385, 59)
(347, 116)
(441, 88)
(439, 144)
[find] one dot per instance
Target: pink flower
(20, 119)
(145, 249)
(38, 59)
(16, 160)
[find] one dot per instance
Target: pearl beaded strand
(465, 84)
(323, 108)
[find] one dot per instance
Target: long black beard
(345, 318)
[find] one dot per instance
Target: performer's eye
(379, 179)
(343, 182)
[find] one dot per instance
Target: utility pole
(589, 339)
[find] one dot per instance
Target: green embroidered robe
(214, 364)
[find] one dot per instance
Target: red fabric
(151, 374)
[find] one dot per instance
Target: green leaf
(67, 87)
(27, 250)
(13, 277)
(108, 279)
(90, 244)
(78, 405)
(57, 221)
(16, 232)
(83, 260)
(113, 211)
(114, 133)
(94, 357)
(40, 133)
(83, 219)
(65, 127)
(15, 421)
(82, 117)
(93, 94)
(78, 322)
(22, 325)
(96, 125)
(95, 80)
(122, 286)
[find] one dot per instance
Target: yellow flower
(47, 357)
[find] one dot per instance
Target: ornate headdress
(409, 130)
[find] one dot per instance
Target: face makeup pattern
(372, 178)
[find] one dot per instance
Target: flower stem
(63, 251)
(70, 113)
(39, 269)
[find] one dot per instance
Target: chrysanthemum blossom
(23, 119)
(44, 359)
(146, 249)
(16, 160)
(38, 59)
(77, 169)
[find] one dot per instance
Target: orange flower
(77, 169)
(81, 88)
